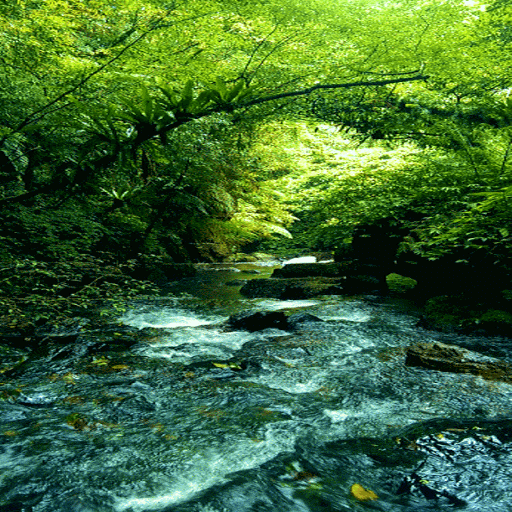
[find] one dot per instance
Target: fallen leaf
(362, 494)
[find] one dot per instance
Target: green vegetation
(138, 134)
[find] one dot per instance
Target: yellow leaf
(221, 365)
(102, 361)
(120, 367)
(362, 494)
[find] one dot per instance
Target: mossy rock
(450, 313)
(296, 288)
(506, 295)
(460, 314)
(400, 285)
(497, 321)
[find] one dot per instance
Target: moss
(458, 313)
(447, 312)
(506, 295)
(496, 321)
(399, 284)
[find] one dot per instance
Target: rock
(496, 321)
(297, 319)
(400, 285)
(258, 320)
(308, 270)
(293, 288)
(364, 283)
(450, 358)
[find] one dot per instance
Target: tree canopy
(187, 130)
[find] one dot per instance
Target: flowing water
(196, 417)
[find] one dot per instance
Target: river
(193, 417)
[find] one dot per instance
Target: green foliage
(188, 130)
(33, 293)
(400, 284)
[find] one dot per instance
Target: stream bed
(195, 417)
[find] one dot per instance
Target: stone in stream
(293, 288)
(258, 320)
(297, 319)
(450, 358)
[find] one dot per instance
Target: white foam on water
(212, 468)
(339, 416)
(165, 318)
(285, 304)
(302, 259)
(286, 384)
(188, 342)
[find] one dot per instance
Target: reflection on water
(196, 417)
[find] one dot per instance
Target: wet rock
(221, 374)
(461, 313)
(450, 358)
(496, 321)
(258, 320)
(364, 283)
(293, 288)
(400, 285)
(298, 319)
(36, 400)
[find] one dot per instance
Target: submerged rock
(450, 358)
(297, 319)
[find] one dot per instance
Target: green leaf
(186, 96)
(235, 91)
(220, 87)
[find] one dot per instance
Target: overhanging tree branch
(318, 87)
(151, 131)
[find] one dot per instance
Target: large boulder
(355, 276)
(464, 313)
(298, 320)
(450, 358)
(258, 320)
(293, 288)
